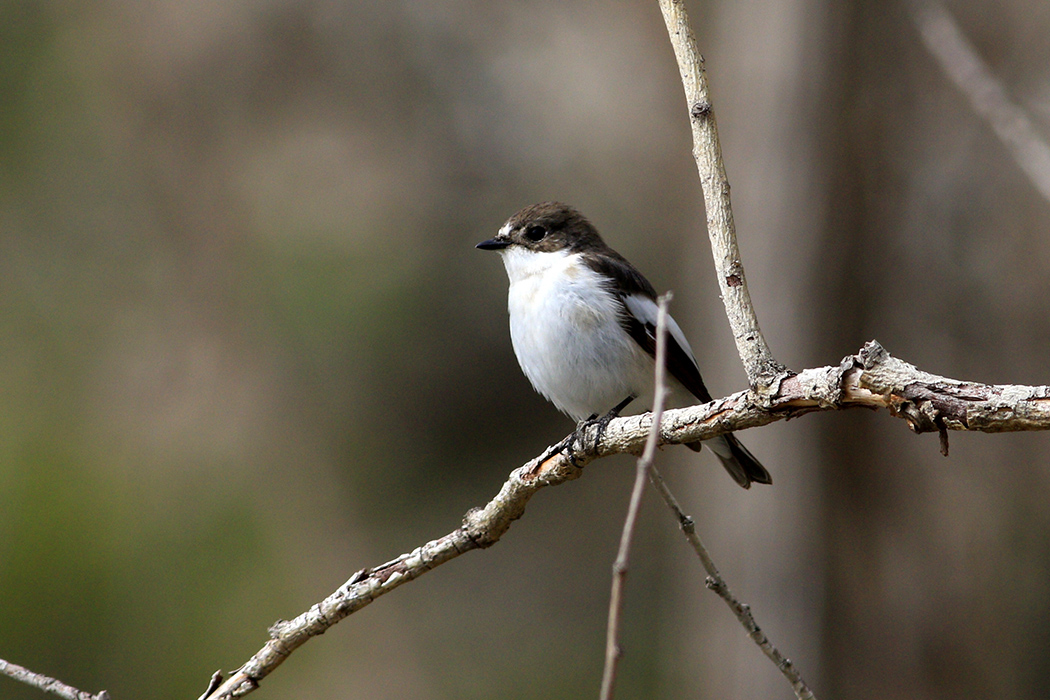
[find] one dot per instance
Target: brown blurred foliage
(248, 348)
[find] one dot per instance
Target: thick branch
(871, 379)
(759, 363)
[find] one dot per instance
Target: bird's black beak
(493, 244)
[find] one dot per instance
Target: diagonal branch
(718, 584)
(959, 59)
(47, 684)
(872, 379)
(759, 363)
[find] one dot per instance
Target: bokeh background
(247, 347)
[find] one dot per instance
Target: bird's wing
(639, 315)
(640, 323)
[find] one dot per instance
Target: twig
(213, 683)
(645, 463)
(762, 368)
(871, 379)
(718, 584)
(959, 60)
(47, 684)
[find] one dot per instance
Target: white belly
(567, 336)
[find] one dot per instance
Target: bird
(583, 326)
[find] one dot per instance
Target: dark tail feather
(740, 463)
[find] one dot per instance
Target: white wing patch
(645, 310)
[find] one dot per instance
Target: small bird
(583, 326)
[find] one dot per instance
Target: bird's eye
(535, 232)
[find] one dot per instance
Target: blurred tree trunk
(924, 246)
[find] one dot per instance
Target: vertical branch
(645, 463)
(759, 363)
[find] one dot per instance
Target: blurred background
(247, 346)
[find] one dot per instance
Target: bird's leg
(565, 444)
(577, 436)
(604, 421)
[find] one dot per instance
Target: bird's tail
(740, 463)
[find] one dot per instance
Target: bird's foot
(578, 438)
(566, 446)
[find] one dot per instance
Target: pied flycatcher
(583, 325)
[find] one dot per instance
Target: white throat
(523, 264)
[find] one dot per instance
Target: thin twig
(718, 584)
(761, 367)
(213, 683)
(960, 61)
(47, 684)
(645, 463)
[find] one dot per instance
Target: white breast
(565, 327)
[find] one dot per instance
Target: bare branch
(759, 363)
(645, 463)
(47, 684)
(717, 584)
(871, 379)
(959, 60)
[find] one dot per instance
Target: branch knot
(699, 110)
